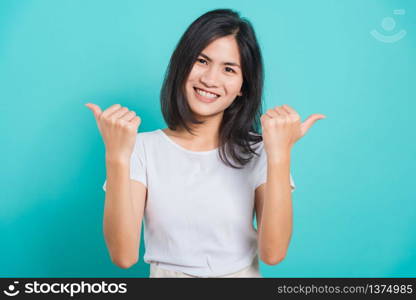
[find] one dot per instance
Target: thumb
(305, 126)
(95, 109)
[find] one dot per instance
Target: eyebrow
(225, 63)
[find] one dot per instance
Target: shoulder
(148, 133)
(145, 144)
(147, 136)
(145, 141)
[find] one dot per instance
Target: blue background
(354, 206)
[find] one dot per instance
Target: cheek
(194, 74)
(234, 86)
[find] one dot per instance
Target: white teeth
(206, 94)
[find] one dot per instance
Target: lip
(204, 99)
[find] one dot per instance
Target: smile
(206, 94)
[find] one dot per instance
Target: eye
(228, 69)
(201, 60)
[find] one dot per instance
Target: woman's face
(216, 78)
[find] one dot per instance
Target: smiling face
(215, 79)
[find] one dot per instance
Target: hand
(282, 128)
(118, 127)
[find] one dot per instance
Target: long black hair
(240, 126)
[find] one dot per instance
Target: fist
(282, 128)
(118, 127)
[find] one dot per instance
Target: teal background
(355, 203)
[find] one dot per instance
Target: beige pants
(248, 272)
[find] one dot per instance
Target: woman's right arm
(125, 198)
(123, 213)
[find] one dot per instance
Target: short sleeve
(137, 162)
(260, 169)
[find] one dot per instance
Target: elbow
(273, 260)
(123, 263)
(123, 257)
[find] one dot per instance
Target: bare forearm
(121, 224)
(276, 225)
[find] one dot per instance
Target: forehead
(223, 49)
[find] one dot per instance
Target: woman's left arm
(275, 224)
(281, 128)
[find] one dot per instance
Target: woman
(199, 182)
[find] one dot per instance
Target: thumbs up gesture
(282, 128)
(118, 127)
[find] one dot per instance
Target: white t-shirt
(199, 213)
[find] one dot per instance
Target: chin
(204, 112)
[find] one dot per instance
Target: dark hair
(241, 120)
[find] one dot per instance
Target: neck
(205, 136)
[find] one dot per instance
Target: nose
(209, 77)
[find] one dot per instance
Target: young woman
(200, 182)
